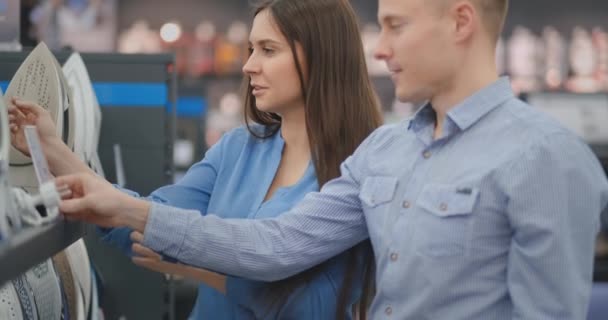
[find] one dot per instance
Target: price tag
(43, 174)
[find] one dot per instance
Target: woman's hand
(60, 157)
(145, 257)
(94, 200)
(24, 113)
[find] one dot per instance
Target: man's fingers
(74, 206)
(72, 181)
(145, 252)
(151, 264)
(137, 236)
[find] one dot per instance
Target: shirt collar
(469, 111)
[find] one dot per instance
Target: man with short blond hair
(478, 207)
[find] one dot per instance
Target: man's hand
(94, 200)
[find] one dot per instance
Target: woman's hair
(341, 108)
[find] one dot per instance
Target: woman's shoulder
(243, 138)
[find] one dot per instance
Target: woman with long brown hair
(309, 104)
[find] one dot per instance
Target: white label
(43, 174)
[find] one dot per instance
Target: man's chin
(406, 98)
(410, 97)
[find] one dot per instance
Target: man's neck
(458, 89)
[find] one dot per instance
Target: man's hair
(493, 15)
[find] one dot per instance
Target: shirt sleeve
(322, 225)
(555, 197)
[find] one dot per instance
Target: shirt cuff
(166, 229)
(127, 191)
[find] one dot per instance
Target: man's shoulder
(388, 132)
(539, 133)
(533, 121)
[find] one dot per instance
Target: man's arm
(556, 192)
(321, 226)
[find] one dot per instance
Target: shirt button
(394, 256)
(443, 207)
(406, 204)
(426, 154)
(388, 311)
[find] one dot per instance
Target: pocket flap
(378, 190)
(446, 200)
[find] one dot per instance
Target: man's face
(416, 46)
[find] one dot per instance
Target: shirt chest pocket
(377, 192)
(444, 219)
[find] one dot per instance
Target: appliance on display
(86, 111)
(26, 297)
(583, 63)
(79, 263)
(202, 52)
(175, 40)
(96, 313)
(10, 25)
(38, 79)
(71, 299)
(600, 42)
(231, 50)
(583, 114)
(95, 161)
(9, 219)
(47, 290)
(139, 38)
(49, 196)
(121, 177)
(555, 70)
(10, 308)
(523, 64)
(68, 132)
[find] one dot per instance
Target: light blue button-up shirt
(497, 219)
(231, 182)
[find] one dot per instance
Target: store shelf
(34, 245)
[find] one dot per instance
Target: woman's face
(271, 67)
